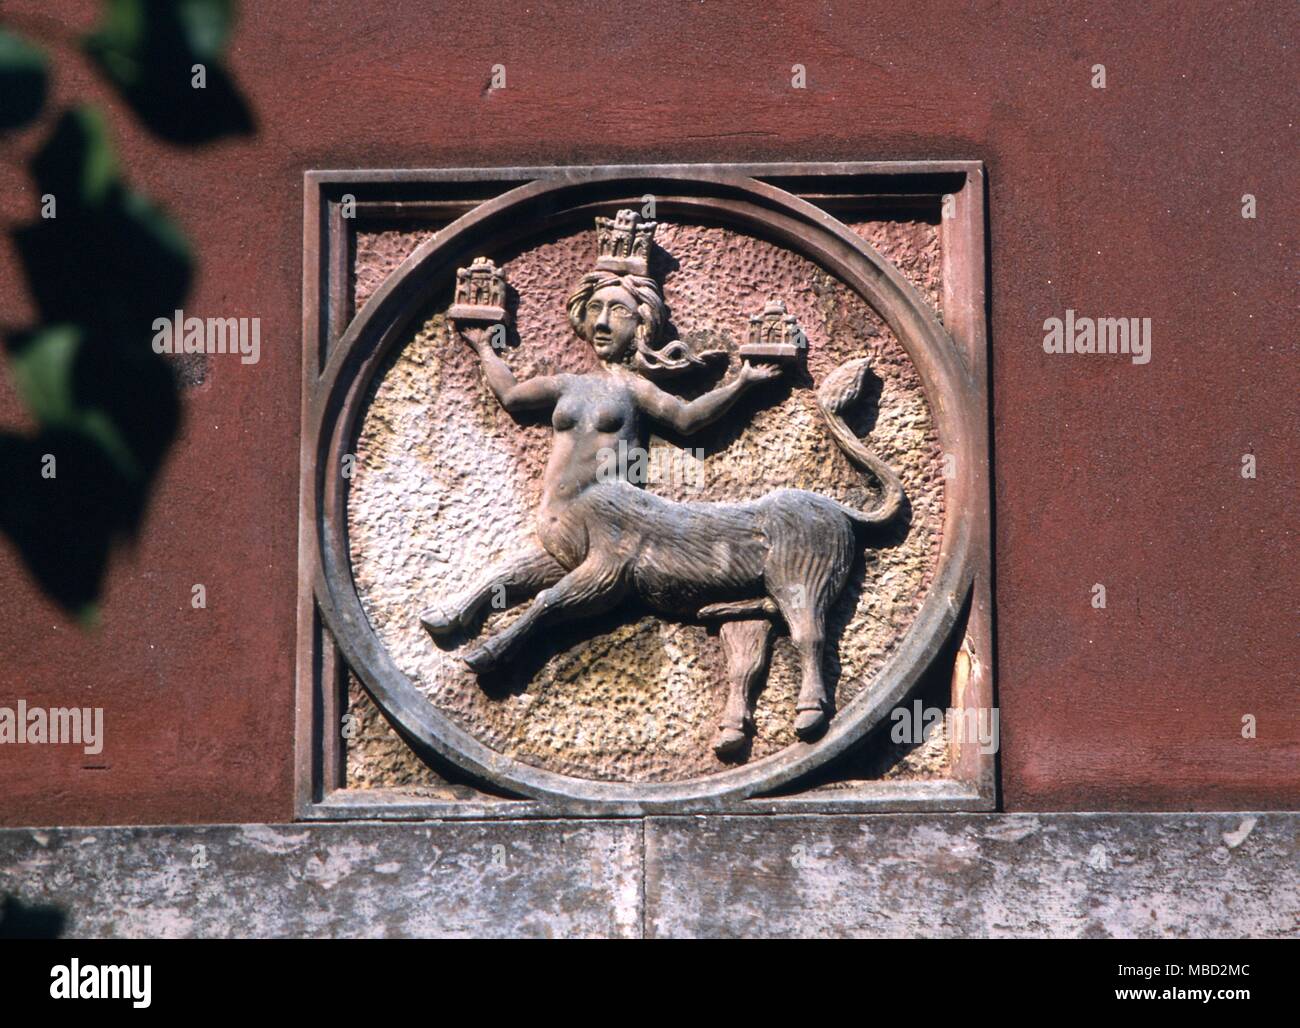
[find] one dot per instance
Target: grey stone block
(1070, 875)
(523, 878)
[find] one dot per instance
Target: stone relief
(675, 515)
(750, 567)
(447, 484)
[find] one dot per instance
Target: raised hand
(476, 334)
(753, 373)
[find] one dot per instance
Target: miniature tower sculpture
(625, 241)
(480, 294)
(774, 335)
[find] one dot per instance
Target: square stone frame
(951, 190)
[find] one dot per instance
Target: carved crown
(625, 241)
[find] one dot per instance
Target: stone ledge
(1215, 875)
(522, 878)
(1121, 875)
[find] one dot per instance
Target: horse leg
(744, 644)
(808, 634)
(506, 583)
(806, 570)
(591, 588)
(804, 603)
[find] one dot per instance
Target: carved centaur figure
(601, 538)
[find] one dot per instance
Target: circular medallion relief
(447, 485)
(644, 515)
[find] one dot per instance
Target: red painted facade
(1122, 202)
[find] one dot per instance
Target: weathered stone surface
(547, 879)
(446, 484)
(1059, 875)
(897, 875)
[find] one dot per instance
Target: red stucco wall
(1117, 202)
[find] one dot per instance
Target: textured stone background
(447, 484)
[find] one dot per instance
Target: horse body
(783, 557)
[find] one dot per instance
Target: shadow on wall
(101, 262)
(19, 920)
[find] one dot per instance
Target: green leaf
(77, 164)
(22, 81)
(120, 42)
(111, 260)
(44, 368)
(65, 526)
(148, 50)
(206, 24)
(100, 274)
(132, 29)
(162, 239)
(87, 617)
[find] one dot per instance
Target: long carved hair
(652, 313)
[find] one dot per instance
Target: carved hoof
(809, 724)
(481, 659)
(729, 741)
(437, 621)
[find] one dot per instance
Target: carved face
(610, 322)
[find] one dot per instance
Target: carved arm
(690, 416)
(512, 394)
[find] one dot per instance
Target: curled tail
(839, 391)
